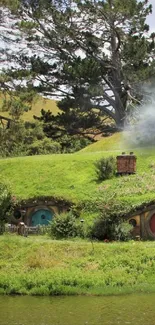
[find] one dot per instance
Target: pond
(79, 310)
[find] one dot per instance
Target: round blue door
(41, 217)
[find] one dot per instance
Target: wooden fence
(39, 230)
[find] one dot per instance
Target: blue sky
(151, 18)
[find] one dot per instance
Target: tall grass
(40, 266)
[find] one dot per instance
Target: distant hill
(39, 103)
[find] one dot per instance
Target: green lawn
(41, 266)
(72, 177)
(113, 142)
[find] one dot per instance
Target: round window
(133, 222)
(17, 214)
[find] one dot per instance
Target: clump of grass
(105, 168)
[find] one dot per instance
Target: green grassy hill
(113, 142)
(73, 178)
(41, 266)
(117, 141)
(38, 104)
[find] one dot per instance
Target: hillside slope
(117, 141)
(73, 177)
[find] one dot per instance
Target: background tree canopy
(94, 55)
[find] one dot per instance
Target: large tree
(92, 54)
(15, 95)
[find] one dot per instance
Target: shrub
(45, 146)
(111, 225)
(64, 226)
(105, 168)
(111, 230)
(70, 144)
(123, 231)
(6, 204)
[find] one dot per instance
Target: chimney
(126, 164)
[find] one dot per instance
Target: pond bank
(40, 266)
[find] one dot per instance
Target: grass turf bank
(72, 177)
(41, 266)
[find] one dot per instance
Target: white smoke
(141, 132)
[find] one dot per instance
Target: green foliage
(123, 231)
(17, 102)
(109, 229)
(38, 103)
(69, 127)
(12, 140)
(20, 138)
(26, 139)
(70, 144)
(6, 204)
(111, 224)
(65, 226)
(105, 168)
(86, 81)
(43, 147)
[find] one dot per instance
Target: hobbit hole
(42, 213)
(144, 223)
(39, 212)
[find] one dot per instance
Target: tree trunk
(116, 79)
